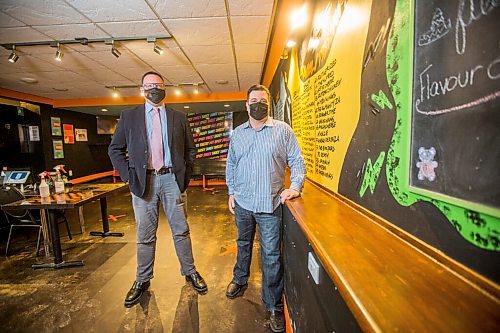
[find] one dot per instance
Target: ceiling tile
(106, 77)
(106, 11)
(179, 74)
(170, 57)
(135, 73)
(42, 12)
(144, 45)
(255, 7)
(213, 72)
(26, 63)
(72, 31)
(71, 61)
(246, 69)
(21, 35)
(189, 8)
(91, 47)
(106, 58)
(224, 88)
(248, 81)
(205, 54)
(250, 52)
(40, 49)
(200, 31)
(250, 29)
(134, 28)
(7, 21)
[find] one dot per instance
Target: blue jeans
(162, 189)
(270, 248)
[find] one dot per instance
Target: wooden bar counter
(389, 281)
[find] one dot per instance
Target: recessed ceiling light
(30, 80)
(291, 43)
(226, 105)
(222, 81)
(60, 89)
(186, 106)
(104, 110)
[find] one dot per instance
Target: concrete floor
(90, 298)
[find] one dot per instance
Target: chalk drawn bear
(427, 164)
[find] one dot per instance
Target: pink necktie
(157, 142)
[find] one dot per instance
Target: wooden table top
(389, 284)
(74, 196)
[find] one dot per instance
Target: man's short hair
(151, 73)
(258, 87)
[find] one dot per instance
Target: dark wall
(13, 152)
(312, 307)
(83, 157)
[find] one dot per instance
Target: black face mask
(155, 95)
(258, 111)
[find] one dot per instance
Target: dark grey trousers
(164, 189)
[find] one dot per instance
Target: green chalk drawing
(371, 174)
(480, 229)
(382, 100)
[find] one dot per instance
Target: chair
(25, 217)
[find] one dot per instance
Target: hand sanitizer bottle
(44, 188)
(58, 182)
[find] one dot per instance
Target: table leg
(105, 222)
(45, 232)
(56, 247)
(81, 220)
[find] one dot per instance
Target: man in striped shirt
(259, 152)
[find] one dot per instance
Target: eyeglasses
(148, 86)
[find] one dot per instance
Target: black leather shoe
(277, 321)
(234, 290)
(135, 293)
(197, 282)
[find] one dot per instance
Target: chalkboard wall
(456, 100)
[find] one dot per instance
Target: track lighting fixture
(59, 54)
(13, 57)
(158, 49)
(115, 51)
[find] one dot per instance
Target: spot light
(59, 54)
(13, 56)
(115, 93)
(291, 43)
(299, 17)
(158, 49)
(196, 90)
(115, 51)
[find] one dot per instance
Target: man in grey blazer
(160, 160)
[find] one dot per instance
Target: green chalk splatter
(382, 100)
(372, 172)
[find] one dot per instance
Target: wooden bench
(388, 280)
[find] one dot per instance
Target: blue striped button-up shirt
(256, 162)
(164, 131)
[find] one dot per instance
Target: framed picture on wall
(58, 147)
(81, 134)
(55, 125)
(69, 135)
